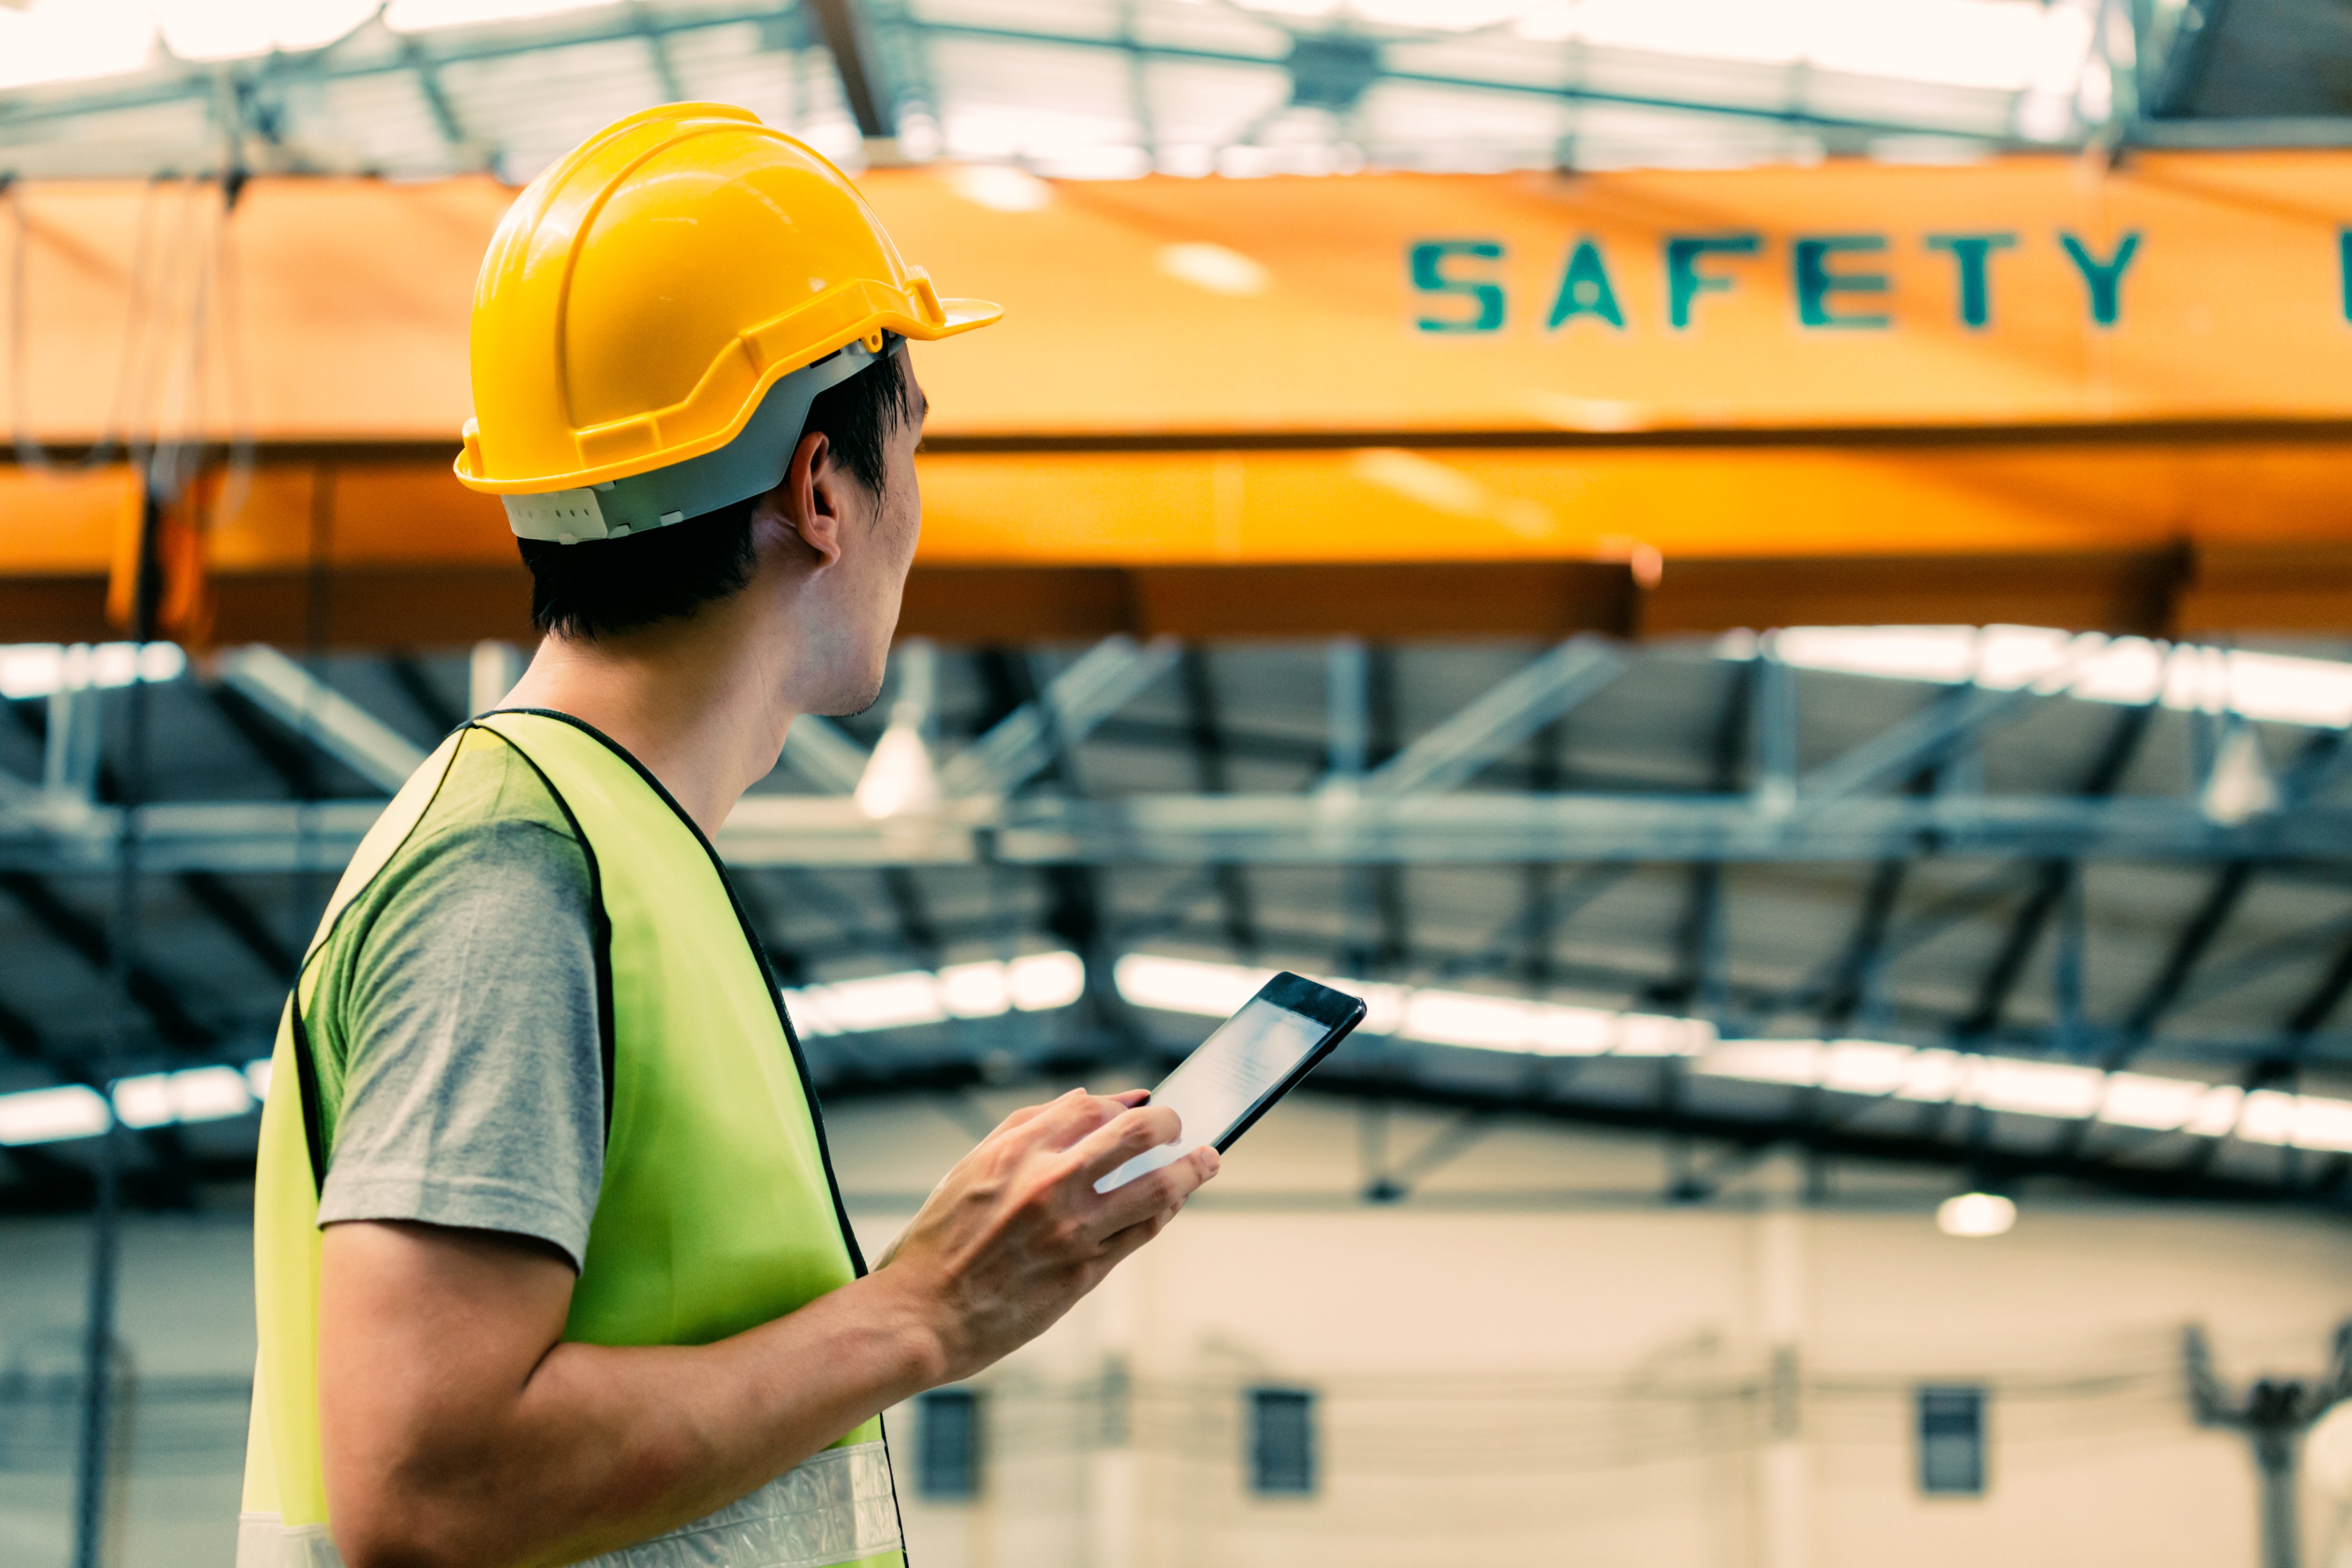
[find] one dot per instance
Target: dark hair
(612, 586)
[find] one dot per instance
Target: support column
(1114, 1493)
(1784, 1475)
(490, 674)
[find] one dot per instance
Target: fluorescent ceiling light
(1871, 1069)
(2282, 688)
(199, 1094)
(42, 669)
(1036, 982)
(210, 30)
(1995, 44)
(419, 15)
(66, 40)
(1976, 1215)
(51, 1115)
(1466, 1020)
(899, 780)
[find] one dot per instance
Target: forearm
(605, 1446)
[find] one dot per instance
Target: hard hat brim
(962, 316)
(924, 320)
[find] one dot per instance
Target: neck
(693, 701)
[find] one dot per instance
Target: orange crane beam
(2033, 389)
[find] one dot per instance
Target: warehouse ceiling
(2018, 904)
(1100, 88)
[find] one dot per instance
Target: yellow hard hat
(643, 296)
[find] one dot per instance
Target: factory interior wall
(1533, 1357)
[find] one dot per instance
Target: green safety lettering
(1816, 282)
(2103, 278)
(1685, 282)
(1585, 288)
(1973, 254)
(1429, 276)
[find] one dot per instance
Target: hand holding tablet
(1255, 1058)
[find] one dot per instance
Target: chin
(851, 704)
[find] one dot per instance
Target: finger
(1027, 1113)
(1128, 1135)
(1165, 1188)
(1120, 1243)
(1131, 1097)
(1072, 1119)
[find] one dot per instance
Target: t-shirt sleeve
(474, 1092)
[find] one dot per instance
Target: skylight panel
(2283, 688)
(208, 30)
(66, 40)
(421, 15)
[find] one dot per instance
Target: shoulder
(495, 842)
(491, 789)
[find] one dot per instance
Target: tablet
(1255, 1058)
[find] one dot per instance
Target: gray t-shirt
(461, 1001)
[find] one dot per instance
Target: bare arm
(460, 1430)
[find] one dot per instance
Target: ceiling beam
(770, 829)
(82, 935)
(320, 714)
(1210, 745)
(2007, 967)
(843, 28)
(1029, 740)
(1501, 718)
(1760, 110)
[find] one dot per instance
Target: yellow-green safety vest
(718, 1209)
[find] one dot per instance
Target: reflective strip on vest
(835, 1508)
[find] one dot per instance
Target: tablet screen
(1216, 1086)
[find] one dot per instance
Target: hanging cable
(110, 442)
(99, 1393)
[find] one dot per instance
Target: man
(550, 1261)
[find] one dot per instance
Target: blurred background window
(1951, 1441)
(947, 1445)
(1282, 1442)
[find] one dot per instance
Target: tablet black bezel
(1338, 1012)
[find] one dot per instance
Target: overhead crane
(2033, 389)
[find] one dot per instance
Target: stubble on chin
(849, 705)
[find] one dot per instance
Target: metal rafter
(785, 960)
(432, 705)
(1499, 718)
(862, 85)
(1036, 735)
(1393, 948)
(867, 94)
(2190, 946)
(1697, 981)
(1538, 925)
(1206, 735)
(1076, 910)
(228, 907)
(154, 995)
(2051, 877)
(430, 88)
(1569, 91)
(2198, 933)
(823, 752)
(295, 765)
(322, 716)
(1857, 975)
(1192, 830)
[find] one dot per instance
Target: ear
(812, 499)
